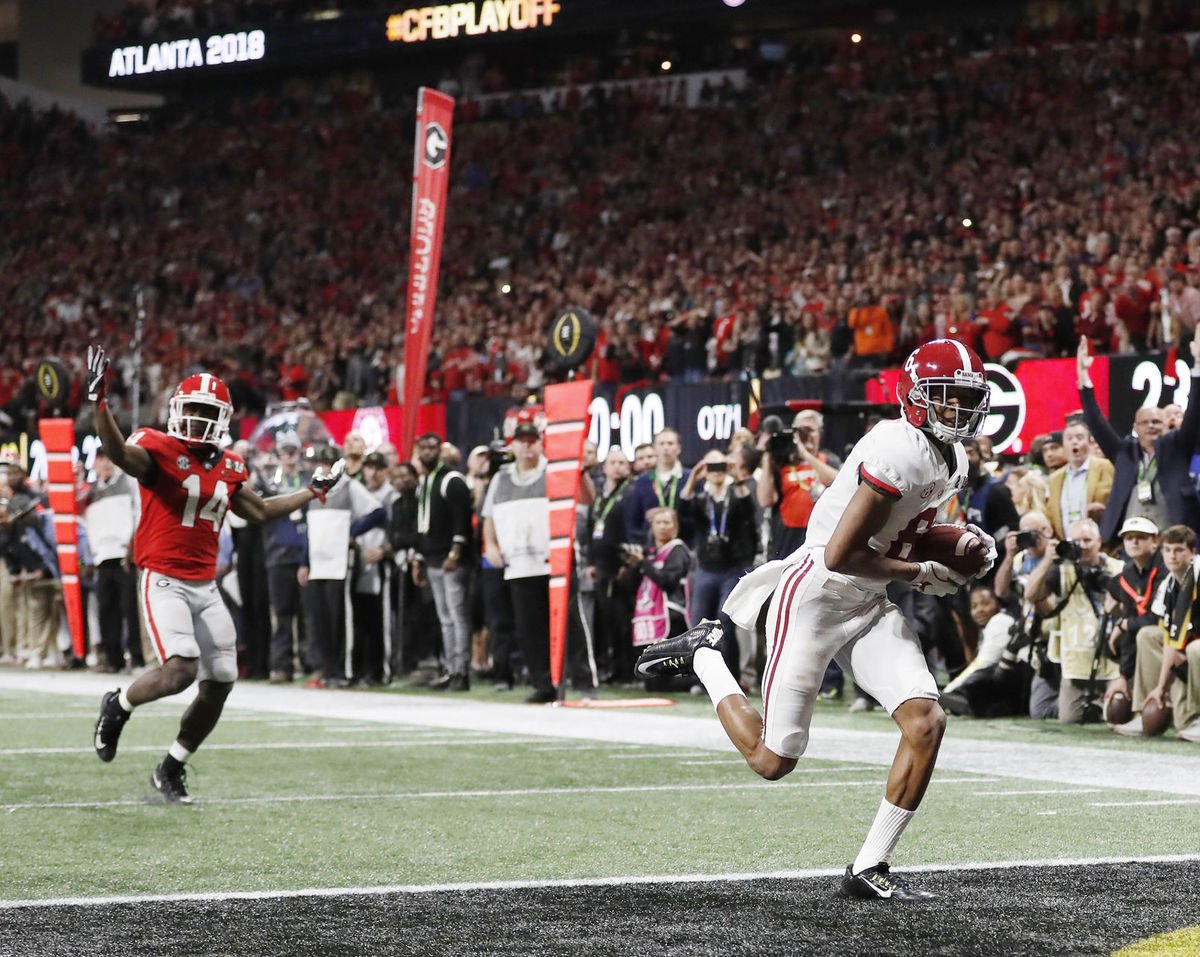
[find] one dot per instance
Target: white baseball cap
(1138, 524)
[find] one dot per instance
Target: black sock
(171, 766)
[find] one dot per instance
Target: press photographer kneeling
(1168, 658)
(1069, 588)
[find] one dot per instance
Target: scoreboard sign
(469, 19)
(173, 55)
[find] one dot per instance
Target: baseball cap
(1054, 438)
(377, 460)
(526, 430)
(1138, 524)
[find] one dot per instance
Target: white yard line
(281, 746)
(1175, 772)
(492, 793)
(1071, 791)
(622, 880)
(1150, 802)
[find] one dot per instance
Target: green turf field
(289, 802)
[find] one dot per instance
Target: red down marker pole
(566, 429)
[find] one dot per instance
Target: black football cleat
(172, 786)
(109, 725)
(674, 655)
(879, 883)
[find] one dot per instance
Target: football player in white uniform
(827, 600)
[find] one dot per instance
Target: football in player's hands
(955, 546)
(323, 481)
(97, 363)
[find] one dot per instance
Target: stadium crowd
(1040, 193)
(1035, 192)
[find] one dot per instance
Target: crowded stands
(1017, 193)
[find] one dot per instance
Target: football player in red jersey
(828, 599)
(188, 481)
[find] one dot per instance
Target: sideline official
(516, 536)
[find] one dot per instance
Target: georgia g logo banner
(1006, 414)
(437, 144)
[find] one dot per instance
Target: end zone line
(617, 881)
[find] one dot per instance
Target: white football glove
(97, 363)
(322, 482)
(992, 554)
(937, 579)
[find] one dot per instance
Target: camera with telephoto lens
(781, 445)
(1068, 551)
(1027, 540)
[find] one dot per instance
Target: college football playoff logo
(437, 145)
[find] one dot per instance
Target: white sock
(179, 752)
(123, 701)
(713, 673)
(881, 840)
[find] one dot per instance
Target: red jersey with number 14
(183, 510)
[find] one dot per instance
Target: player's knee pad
(224, 672)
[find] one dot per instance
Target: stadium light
(856, 38)
(967, 222)
(666, 66)
(734, 3)
(505, 288)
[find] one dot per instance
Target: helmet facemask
(955, 409)
(198, 419)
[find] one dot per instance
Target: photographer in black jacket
(723, 542)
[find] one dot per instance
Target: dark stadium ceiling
(8, 21)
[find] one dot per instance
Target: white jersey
(901, 461)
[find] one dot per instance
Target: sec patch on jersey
(955, 546)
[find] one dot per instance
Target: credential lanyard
(423, 505)
(712, 516)
(672, 489)
(1141, 601)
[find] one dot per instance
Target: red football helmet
(936, 373)
(200, 410)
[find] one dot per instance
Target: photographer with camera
(1134, 590)
(1168, 657)
(724, 542)
(795, 471)
(1070, 590)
